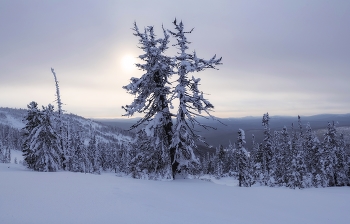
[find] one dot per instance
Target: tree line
(10, 138)
(49, 145)
(295, 158)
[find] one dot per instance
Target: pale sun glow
(128, 63)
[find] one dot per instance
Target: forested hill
(226, 132)
(116, 130)
(12, 121)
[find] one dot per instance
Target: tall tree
(32, 120)
(151, 98)
(265, 155)
(44, 143)
(282, 158)
(330, 146)
(243, 163)
(80, 158)
(191, 102)
(341, 167)
(296, 170)
(219, 161)
(59, 120)
(93, 155)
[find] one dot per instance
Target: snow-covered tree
(258, 172)
(191, 102)
(309, 148)
(219, 162)
(275, 141)
(264, 156)
(68, 136)
(59, 121)
(151, 98)
(44, 144)
(80, 158)
(93, 155)
(341, 167)
(303, 156)
(296, 171)
(32, 120)
(330, 146)
(254, 147)
(243, 161)
(282, 158)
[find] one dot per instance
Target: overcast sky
(282, 57)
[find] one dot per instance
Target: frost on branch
(151, 98)
(191, 102)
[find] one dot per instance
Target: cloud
(282, 56)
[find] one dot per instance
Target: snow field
(66, 197)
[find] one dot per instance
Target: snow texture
(66, 197)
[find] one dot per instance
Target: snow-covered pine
(151, 93)
(341, 167)
(258, 172)
(254, 147)
(205, 164)
(296, 170)
(281, 139)
(309, 153)
(282, 158)
(219, 162)
(58, 96)
(93, 154)
(210, 169)
(191, 102)
(274, 148)
(44, 143)
(315, 158)
(67, 132)
(59, 121)
(230, 166)
(32, 120)
(80, 159)
(306, 175)
(329, 146)
(243, 164)
(265, 154)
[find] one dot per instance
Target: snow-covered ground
(65, 197)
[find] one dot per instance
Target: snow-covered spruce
(32, 120)
(191, 103)
(264, 156)
(151, 91)
(44, 144)
(243, 161)
(62, 139)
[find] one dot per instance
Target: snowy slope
(14, 118)
(66, 197)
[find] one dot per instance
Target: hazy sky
(282, 57)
